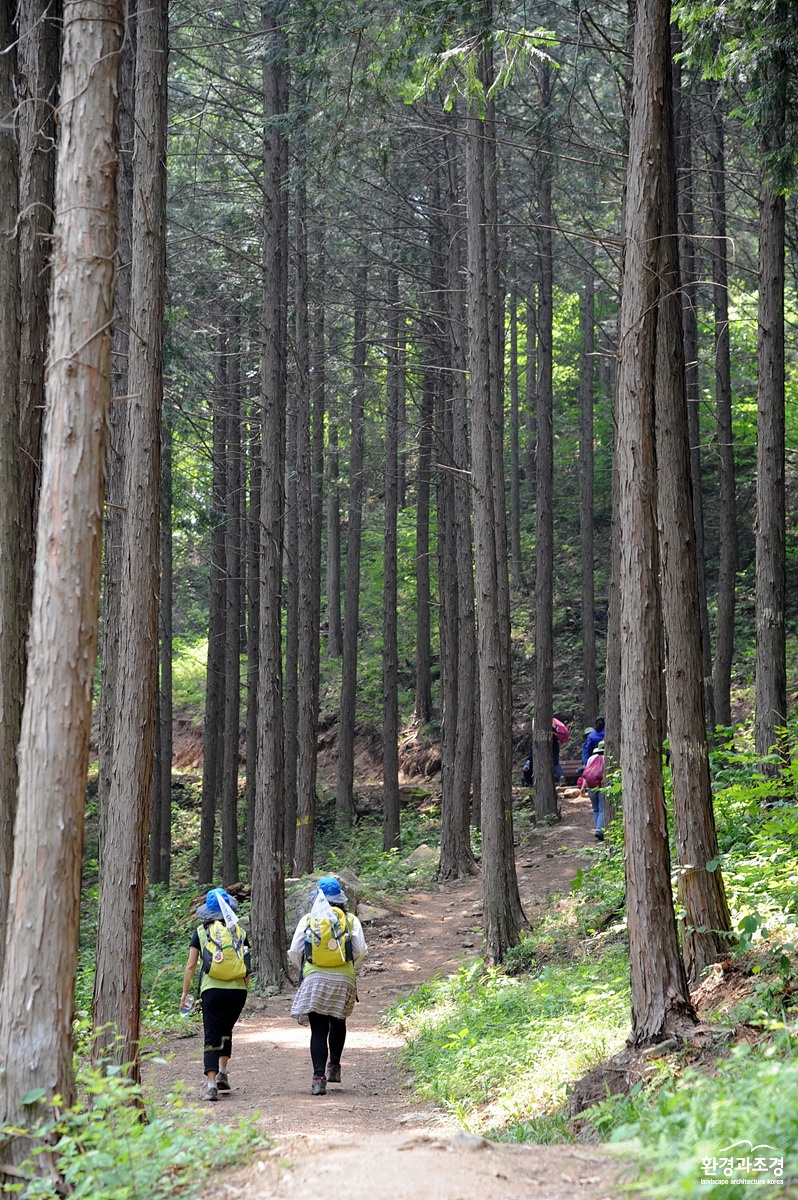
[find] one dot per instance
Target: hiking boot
(319, 1086)
(211, 1092)
(599, 835)
(222, 1082)
(333, 1072)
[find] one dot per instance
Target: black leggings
(221, 1008)
(325, 1030)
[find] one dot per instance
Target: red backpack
(593, 774)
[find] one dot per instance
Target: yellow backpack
(224, 955)
(328, 941)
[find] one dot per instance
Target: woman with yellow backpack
(224, 950)
(327, 947)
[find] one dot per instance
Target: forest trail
(369, 1139)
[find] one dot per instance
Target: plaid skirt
(324, 992)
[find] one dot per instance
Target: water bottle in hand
(187, 1006)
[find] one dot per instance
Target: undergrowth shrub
(108, 1147)
(685, 1130)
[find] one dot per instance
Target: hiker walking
(594, 735)
(591, 780)
(223, 946)
(327, 946)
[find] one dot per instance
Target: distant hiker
(327, 946)
(595, 734)
(592, 779)
(224, 977)
(559, 738)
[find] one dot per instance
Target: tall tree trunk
(390, 650)
(684, 168)
(530, 401)
(38, 54)
(545, 794)
(771, 660)
(500, 908)
(590, 698)
(660, 998)
(515, 453)
(11, 617)
(344, 798)
(268, 866)
(423, 589)
(335, 634)
(213, 736)
(460, 703)
(253, 626)
(232, 631)
(36, 1046)
(701, 892)
(308, 517)
(117, 981)
(727, 502)
(164, 844)
(117, 450)
(291, 638)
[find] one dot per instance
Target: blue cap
(331, 888)
(212, 908)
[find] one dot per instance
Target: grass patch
(497, 1052)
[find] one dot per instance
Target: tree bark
(515, 451)
(268, 866)
(253, 626)
(344, 798)
(232, 616)
(11, 614)
(545, 794)
(390, 650)
(683, 132)
(459, 696)
(500, 907)
(213, 736)
(38, 61)
(117, 450)
(335, 634)
(162, 851)
(423, 705)
(590, 698)
(771, 647)
(291, 637)
(701, 892)
(42, 937)
(660, 997)
(117, 982)
(727, 502)
(309, 563)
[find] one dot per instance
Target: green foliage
(189, 667)
(112, 1145)
(498, 1051)
(361, 849)
(674, 1127)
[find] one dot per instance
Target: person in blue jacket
(595, 734)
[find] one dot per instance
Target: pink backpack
(560, 730)
(593, 774)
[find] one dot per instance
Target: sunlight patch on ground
(366, 1039)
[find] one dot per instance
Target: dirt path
(369, 1139)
